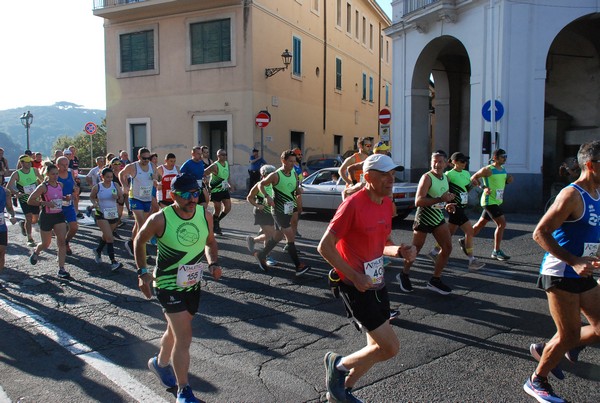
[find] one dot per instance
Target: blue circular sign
(486, 110)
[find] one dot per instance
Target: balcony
(129, 10)
(414, 5)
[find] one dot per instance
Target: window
(387, 51)
(364, 31)
(337, 144)
(338, 73)
(381, 46)
(297, 57)
(349, 18)
(370, 89)
(387, 94)
(364, 87)
(371, 36)
(338, 13)
(137, 51)
(210, 41)
(356, 24)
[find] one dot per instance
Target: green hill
(49, 123)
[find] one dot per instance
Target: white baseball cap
(380, 162)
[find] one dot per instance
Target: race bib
(591, 249)
(439, 206)
(110, 213)
(200, 183)
(29, 188)
(464, 198)
(189, 275)
(374, 269)
(168, 194)
(225, 185)
(288, 208)
(145, 191)
(500, 194)
(56, 204)
(66, 203)
(2, 219)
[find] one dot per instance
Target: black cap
(499, 152)
(184, 183)
(254, 150)
(27, 152)
(458, 156)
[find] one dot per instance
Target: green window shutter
(210, 41)
(137, 51)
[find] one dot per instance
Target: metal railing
(413, 5)
(100, 4)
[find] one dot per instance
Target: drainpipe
(324, 66)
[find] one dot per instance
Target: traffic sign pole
(263, 118)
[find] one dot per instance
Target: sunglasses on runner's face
(188, 195)
(505, 156)
(145, 158)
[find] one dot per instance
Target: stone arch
(440, 107)
(572, 95)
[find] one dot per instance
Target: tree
(82, 143)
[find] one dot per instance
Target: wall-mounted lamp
(286, 56)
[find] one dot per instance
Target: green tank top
(261, 199)
(182, 243)
(459, 183)
(284, 193)
(216, 181)
(26, 183)
(433, 215)
(496, 183)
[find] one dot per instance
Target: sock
(469, 251)
(181, 388)
(222, 216)
(293, 252)
(111, 251)
(101, 246)
(271, 243)
(340, 367)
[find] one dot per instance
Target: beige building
(184, 72)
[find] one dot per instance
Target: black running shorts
(370, 308)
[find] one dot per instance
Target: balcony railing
(100, 4)
(413, 5)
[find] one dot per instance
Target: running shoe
(536, 350)
(499, 255)
(69, 251)
(262, 262)
(217, 230)
(298, 235)
(285, 247)
(436, 284)
(463, 245)
(334, 378)
(31, 242)
(433, 255)
(97, 256)
(302, 269)
(62, 273)
(271, 262)
(79, 215)
(573, 354)
(121, 224)
(394, 313)
(351, 398)
(129, 247)
(475, 265)
(540, 390)
(23, 230)
(186, 396)
(386, 261)
(250, 243)
(114, 266)
(404, 282)
(130, 214)
(164, 374)
(117, 236)
(88, 211)
(33, 259)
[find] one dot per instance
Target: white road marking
(111, 371)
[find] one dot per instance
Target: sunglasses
(146, 158)
(188, 195)
(503, 156)
(116, 164)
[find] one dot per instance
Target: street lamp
(286, 56)
(26, 120)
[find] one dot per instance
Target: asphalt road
(262, 337)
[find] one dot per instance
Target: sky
(53, 51)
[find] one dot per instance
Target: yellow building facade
(180, 73)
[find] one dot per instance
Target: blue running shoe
(186, 396)
(573, 354)
(165, 374)
(334, 379)
(350, 398)
(540, 390)
(536, 351)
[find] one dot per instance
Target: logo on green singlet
(188, 234)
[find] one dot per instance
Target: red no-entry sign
(262, 119)
(385, 116)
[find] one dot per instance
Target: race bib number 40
(374, 269)
(591, 249)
